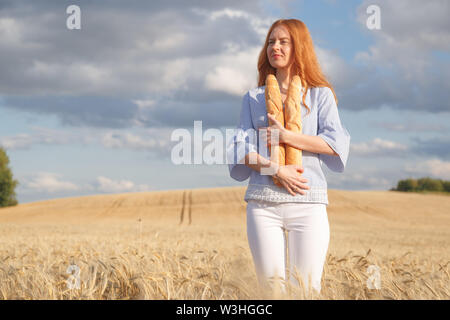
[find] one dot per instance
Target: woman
(299, 207)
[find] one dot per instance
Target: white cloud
(174, 76)
(260, 25)
(18, 141)
(148, 141)
(234, 72)
(402, 71)
(412, 126)
(341, 74)
(54, 183)
(378, 147)
(39, 135)
(10, 31)
(206, 57)
(144, 104)
(169, 43)
(434, 167)
(423, 26)
(47, 182)
(369, 179)
(230, 13)
(124, 50)
(107, 185)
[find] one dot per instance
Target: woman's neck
(283, 76)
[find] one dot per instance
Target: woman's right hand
(290, 178)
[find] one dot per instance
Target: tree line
(423, 184)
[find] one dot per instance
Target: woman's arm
(314, 144)
(288, 175)
(255, 161)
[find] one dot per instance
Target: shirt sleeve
(242, 142)
(333, 132)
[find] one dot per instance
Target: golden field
(192, 244)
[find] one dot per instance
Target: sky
(93, 110)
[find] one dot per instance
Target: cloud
(386, 175)
(433, 167)
(123, 70)
(411, 23)
(19, 141)
(155, 140)
(42, 136)
(121, 54)
(259, 24)
(369, 179)
(419, 147)
(412, 127)
(439, 147)
(378, 147)
(95, 111)
(234, 73)
(54, 183)
(150, 140)
(401, 69)
(340, 73)
(47, 182)
(107, 185)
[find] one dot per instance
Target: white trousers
(308, 236)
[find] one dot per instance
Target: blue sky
(91, 111)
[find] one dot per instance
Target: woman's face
(279, 49)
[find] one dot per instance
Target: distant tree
(423, 184)
(407, 185)
(428, 184)
(7, 183)
(446, 186)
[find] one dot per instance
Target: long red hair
(305, 63)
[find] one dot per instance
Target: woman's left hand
(271, 131)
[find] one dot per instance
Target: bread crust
(274, 106)
(293, 119)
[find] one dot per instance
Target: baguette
(293, 119)
(274, 106)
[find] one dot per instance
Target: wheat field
(192, 244)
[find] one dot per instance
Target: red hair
(305, 63)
